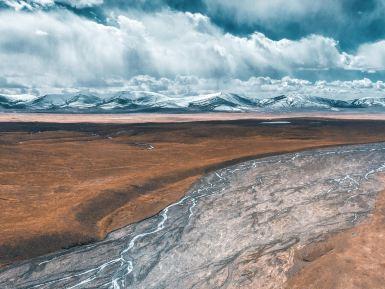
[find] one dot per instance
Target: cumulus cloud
(81, 3)
(52, 49)
(61, 49)
(370, 56)
(35, 4)
(352, 22)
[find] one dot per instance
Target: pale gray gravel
(236, 228)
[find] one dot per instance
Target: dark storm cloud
(351, 22)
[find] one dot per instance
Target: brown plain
(353, 259)
(62, 185)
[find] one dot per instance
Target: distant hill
(142, 101)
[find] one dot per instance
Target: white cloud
(370, 56)
(41, 32)
(76, 50)
(27, 4)
(81, 3)
(48, 49)
(31, 4)
(73, 50)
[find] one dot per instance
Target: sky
(69, 44)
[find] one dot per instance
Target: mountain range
(140, 101)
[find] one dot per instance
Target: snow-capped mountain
(221, 102)
(64, 102)
(369, 102)
(138, 101)
(142, 101)
(283, 102)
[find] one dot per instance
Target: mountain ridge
(143, 101)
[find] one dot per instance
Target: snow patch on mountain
(143, 101)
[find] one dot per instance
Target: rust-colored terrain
(67, 184)
(352, 259)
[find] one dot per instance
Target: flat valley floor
(67, 184)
